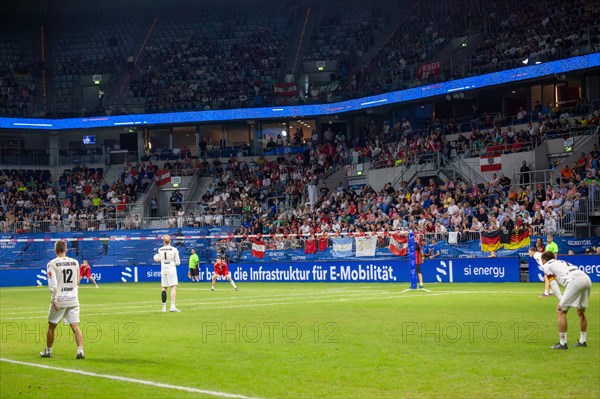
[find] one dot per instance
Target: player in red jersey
(221, 269)
(86, 271)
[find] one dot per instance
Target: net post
(412, 260)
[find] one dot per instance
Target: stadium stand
(17, 81)
(210, 60)
(173, 65)
(508, 39)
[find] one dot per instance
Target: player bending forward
(577, 292)
(221, 269)
(63, 281)
(86, 271)
(169, 260)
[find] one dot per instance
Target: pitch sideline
(130, 380)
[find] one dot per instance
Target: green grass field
(302, 341)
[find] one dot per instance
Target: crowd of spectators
(511, 34)
(213, 59)
(78, 200)
(450, 210)
(457, 208)
(562, 30)
(209, 61)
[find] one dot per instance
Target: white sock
(172, 305)
(233, 283)
(546, 292)
(563, 338)
(49, 350)
(80, 349)
(582, 336)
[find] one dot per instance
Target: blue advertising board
(350, 270)
(590, 264)
(111, 248)
(107, 274)
(416, 93)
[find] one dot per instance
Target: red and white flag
(322, 246)
(310, 246)
(398, 245)
(286, 89)
(490, 163)
(163, 177)
(258, 248)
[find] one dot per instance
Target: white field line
(207, 290)
(129, 380)
(263, 302)
(320, 293)
(216, 301)
(245, 305)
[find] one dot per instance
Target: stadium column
(53, 148)
(141, 142)
(412, 260)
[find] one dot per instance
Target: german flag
(490, 241)
(518, 239)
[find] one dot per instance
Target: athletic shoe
(212, 289)
(547, 294)
(164, 309)
(97, 287)
(421, 286)
(559, 346)
(45, 353)
(583, 344)
(235, 289)
(175, 310)
(80, 355)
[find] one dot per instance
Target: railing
(543, 176)
(569, 220)
(50, 156)
(279, 242)
(24, 227)
(460, 167)
(567, 157)
(219, 220)
(594, 198)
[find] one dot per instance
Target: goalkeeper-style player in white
(577, 285)
(169, 260)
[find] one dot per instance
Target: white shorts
(169, 278)
(70, 314)
(577, 294)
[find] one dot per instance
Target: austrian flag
(163, 177)
(398, 245)
(285, 89)
(258, 248)
(490, 163)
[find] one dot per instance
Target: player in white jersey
(63, 282)
(578, 286)
(169, 260)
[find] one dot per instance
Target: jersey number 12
(67, 275)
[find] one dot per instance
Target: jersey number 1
(67, 275)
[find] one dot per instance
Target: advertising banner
(497, 270)
(590, 264)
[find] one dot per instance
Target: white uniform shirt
(169, 258)
(63, 281)
(563, 272)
